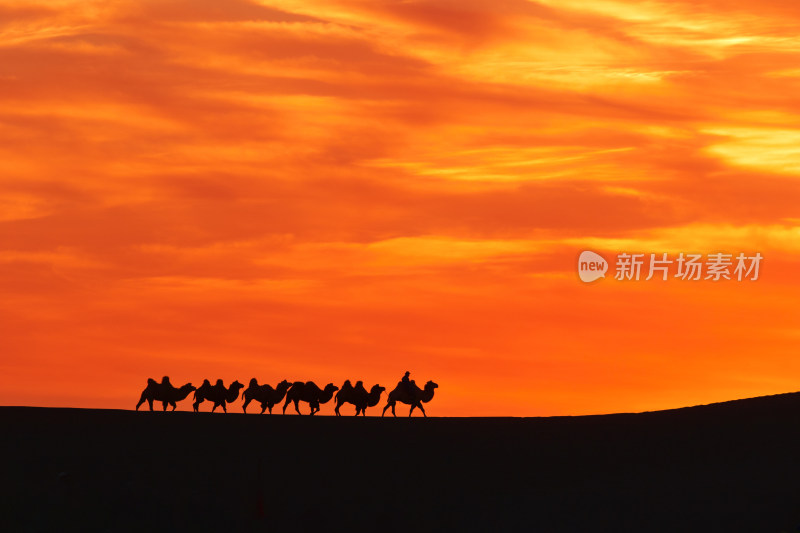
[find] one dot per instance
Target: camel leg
(385, 408)
(195, 406)
(264, 408)
(224, 410)
(214, 407)
(150, 403)
(336, 409)
(174, 405)
(244, 407)
(270, 408)
(423, 411)
(286, 405)
(164, 405)
(141, 401)
(297, 407)
(413, 405)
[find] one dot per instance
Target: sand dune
(722, 467)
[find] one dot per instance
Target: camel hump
(310, 385)
(254, 382)
(409, 386)
(151, 381)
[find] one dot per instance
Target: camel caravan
(219, 395)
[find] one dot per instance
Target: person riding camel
(406, 382)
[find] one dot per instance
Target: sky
(330, 190)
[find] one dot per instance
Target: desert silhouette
(728, 467)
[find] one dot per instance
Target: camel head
(188, 388)
(235, 385)
(325, 395)
(431, 385)
(377, 389)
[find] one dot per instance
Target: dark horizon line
(254, 415)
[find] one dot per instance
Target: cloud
(314, 188)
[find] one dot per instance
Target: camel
(358, 396)
(308, 392)
(410, 394)
(164, 393)
(264, 394)
(217, 394)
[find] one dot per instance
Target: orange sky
(351, 189)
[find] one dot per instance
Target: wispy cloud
(343, 186)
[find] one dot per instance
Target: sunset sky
(331, 190)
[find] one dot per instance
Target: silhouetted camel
(358, 396)
(265, 394)
(308, 392)
(216, 393)
(410, 394)
(164, 393)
